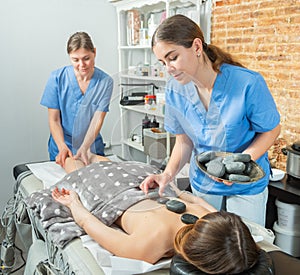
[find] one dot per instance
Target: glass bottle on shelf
(144, 39)
(151, 26)
(133, 27)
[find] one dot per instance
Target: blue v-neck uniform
(241, 106)
(62, 92)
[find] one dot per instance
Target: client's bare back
(152, 220)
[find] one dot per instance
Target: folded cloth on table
(113, 265)
(48, 172)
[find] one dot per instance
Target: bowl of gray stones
(230, 167)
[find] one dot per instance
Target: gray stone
(176, 206)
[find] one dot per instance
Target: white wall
(33, 37)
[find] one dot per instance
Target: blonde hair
(78, 41)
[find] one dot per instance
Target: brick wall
(265, 36)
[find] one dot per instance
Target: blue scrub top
(241, 106)
(62, 92)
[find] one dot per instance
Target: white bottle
(151, 26)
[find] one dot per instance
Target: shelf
(134, 144)
(152, 5)
(133, 60)
(125, 5)
(147, 78)
(136, 47)
(143, 110)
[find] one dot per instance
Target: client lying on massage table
(214, 242)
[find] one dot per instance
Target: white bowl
(277, 174)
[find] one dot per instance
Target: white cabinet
(137, 64)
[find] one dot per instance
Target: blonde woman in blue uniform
(77, 97)
(214, 103)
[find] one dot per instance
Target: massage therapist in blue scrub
(214, 103)
(77, 98)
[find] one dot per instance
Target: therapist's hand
(62, 155)
(84, 155)
(155, 180)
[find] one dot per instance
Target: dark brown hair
(80, 40)
(218, 243)
(181, 30)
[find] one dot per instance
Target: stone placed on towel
(176, 206)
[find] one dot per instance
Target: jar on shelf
(145, 70)
(152, 25)
(160, 101)
(139, 69)
(155, 69)
(150, 102)
(133, 27)
(144, 39)
(132, 70)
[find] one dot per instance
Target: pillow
(264, 266)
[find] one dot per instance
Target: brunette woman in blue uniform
(214, 103)
(77, 98)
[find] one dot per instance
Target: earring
(198, 54)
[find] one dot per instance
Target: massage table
(75, 258)
(43, 256)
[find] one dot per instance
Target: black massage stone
(206, 156)
(241, 157)
(216, 168)
(226, 176)
(162, 200)
(219, 159)
(235, 167)
(176, 206)
(237, 157)
(237, 177)
(248, 168)
(227, 159)
(189, 218)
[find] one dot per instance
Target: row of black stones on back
(179, 208)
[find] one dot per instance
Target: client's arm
(189, 197)
(134, 245)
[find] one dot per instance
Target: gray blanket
(106, 189)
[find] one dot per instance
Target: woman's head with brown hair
(80, 40)
(218, 243)
(181, 30)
